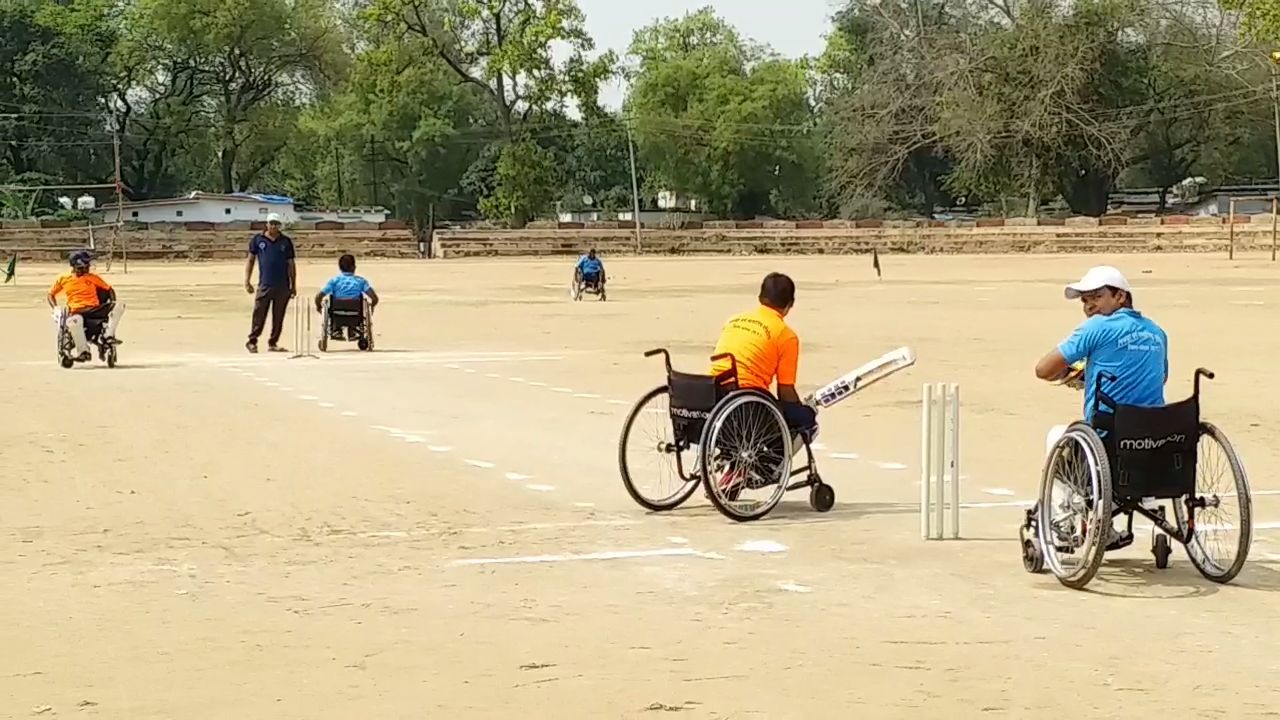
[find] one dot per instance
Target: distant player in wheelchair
(90, 316)
(589, 276)
(345, 304)
(1131, 451)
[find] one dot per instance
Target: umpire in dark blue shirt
(277, 282)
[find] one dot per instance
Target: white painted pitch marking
(584, 505)
(384, 428)
(984, 505)
(891, 466)
(791, 586)
(587, 396)
(308, 397)
(561, 390)
(541, 488)
(815, 446)
(469, 371)
(452, 366)
(1248, 302)
(518, 477)
(610, 555)
(285, 388)
(1271, 557)
(413, 439)
(479, 463)
(273, 384)
(439, 448)
(326, 404)
(492, 375)
(537, 384)
(395, 534)
(623, 402)
(985, 288)
(761, 546)
(678, 540)
(998, 491)
(516, 379)
(348, 413)
(1248, 288)
(845, 456)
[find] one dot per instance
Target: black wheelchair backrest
(346, 306)
(693, 397)
(1153, 449)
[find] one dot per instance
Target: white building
(238, 207)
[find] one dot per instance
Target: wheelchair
(581, 287)
(1121, 463)
(346, 320)
(703, 430)
(93, 327)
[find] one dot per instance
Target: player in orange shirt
(765, 349)
(87, 298)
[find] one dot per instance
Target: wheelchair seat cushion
(1152, 449)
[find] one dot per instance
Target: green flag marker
(12, 270)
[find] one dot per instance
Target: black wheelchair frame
(1160, 463)
(93, 327)
(694, 401)
(580, 286)
(348, 308)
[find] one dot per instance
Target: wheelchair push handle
(733, 361)
(1206, 374)
(666, 356)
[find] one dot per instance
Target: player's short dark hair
(1128, 296)
(347, 263)
(777, 291)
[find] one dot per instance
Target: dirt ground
(202, 533)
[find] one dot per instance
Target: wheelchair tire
(1218, 570)
(822, 497)
(1081, 441)
(1161, 550)
(111, 356)
(66, 362)
(725, 433)
(663, 445)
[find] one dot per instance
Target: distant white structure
(239, 207)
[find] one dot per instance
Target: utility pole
(337, 163)
(373, 169)
(115, 232)
(635, 188)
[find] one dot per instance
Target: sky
(792, 27)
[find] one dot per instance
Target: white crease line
(1013, 503)
(479, 463)
(844, 455)
(517, 476)
(452, 366)
(348, 413)
(273, 384)
(1247, 302)
(308, 397)
(815, 446)
(561, 390)
(326, 404)
(500, 528)
(285, 388)
(678, 540)
(998, 491)
(492, 375)
(791, 586)
(891, 466)
(537, 384)
(541, 488)
(516, 379)
(470, 371)
(413, 439)
(587, 396)
(584, 505)
(439, 448)
(610, 555)
(619, 402)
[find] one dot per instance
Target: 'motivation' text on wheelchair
(939, 457)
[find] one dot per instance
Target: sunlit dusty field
(202, 533)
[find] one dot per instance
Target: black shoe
(251, 346)
(1119, 539)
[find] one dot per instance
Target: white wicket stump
(939, 458)
(302, 330)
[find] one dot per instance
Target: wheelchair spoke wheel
(655, 467)
(1075, 506)
(746, 456)
(1222, 518)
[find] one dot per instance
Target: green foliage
(522, 183)
(721, 119)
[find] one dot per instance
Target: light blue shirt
(590, 266)
(1124, 344)
(347, 286)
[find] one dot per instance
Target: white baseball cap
(1097, 278)
(274, 218)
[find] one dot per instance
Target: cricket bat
(857, 380)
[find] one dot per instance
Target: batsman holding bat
(765, 349)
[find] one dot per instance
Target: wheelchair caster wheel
(822, 497)
(111, 356)
(1032, 558)
(67, 362)
(322, 343)
(1162, 551)
(362, 344)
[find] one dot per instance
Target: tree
(722, 119)
(256, 61)
(52, 111)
